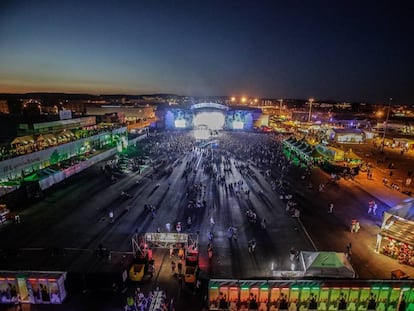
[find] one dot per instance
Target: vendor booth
(396, 238)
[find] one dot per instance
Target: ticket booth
(263, 297)
(213, 294)
(364, 296)
(294, 298)
(8, 289)
(383, 295)
(233, 297)
(338, 298)
(309, 298)
(323, 299)
(224, 296)
(279, 298)
(254, 292)
(244, 297)
(353, 299)
(410, 299)
(393, 298)
(33, 287)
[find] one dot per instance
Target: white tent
(326, 265)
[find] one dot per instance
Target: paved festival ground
(81, 223)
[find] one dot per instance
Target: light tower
(310, 109)
(386, 124)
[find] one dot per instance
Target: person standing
(330, 207)
(111, 216)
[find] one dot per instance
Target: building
(4, 107)
(346, 135)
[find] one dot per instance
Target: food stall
(395, 238)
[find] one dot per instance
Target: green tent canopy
(326, 265)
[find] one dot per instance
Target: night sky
(340, 50)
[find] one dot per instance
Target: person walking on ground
(210, 236)
(348, 251)
(370, 206)
(330, 207)
(230, 233)
(212, 223)
(374, 208)
(321, 187)
(263, 224)
(210, 251)
(180, 267)
(172, 267)
(357, 226)
(180, 281)
(151, 270)
(111, 216)
(251, 246)
(171, 250)
(353, 225)
(292, 253)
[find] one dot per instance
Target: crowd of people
(153, 301)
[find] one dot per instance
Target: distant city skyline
(339, 50)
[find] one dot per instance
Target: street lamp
(386, 125)
(310, 109)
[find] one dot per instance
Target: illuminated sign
(209, 105)
(65, 114)
(166, 237)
